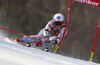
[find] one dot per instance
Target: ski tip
(14, 40)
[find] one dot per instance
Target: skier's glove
(58, 40)
(54, 42)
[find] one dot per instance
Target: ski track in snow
(15, 54)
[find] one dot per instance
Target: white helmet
(58, 17)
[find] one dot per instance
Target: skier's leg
(33, 38)
(40, 34)
(28, 44)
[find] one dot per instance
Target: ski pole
(92, 53)
(11, 31)
(65, 28)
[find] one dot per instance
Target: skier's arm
(61, 34)
(46, 30)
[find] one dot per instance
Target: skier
(51, 34)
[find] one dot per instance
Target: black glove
(55, 42)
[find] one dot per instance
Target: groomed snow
(14, 54)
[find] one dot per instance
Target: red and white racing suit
(50, 31)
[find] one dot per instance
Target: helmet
(58, 19)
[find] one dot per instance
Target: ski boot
(28, 44)
(46, 49)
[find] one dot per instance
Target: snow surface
(14, 54)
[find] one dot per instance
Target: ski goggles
(60, 23)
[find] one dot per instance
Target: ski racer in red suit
(52, 33)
